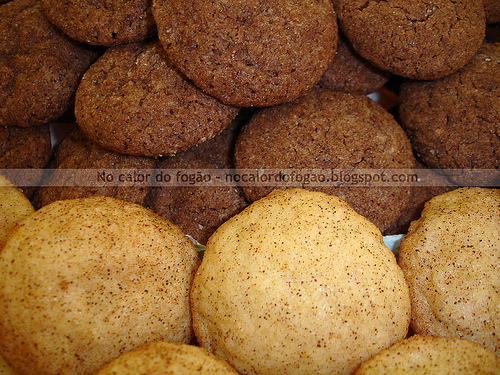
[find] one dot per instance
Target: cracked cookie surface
(414, 39)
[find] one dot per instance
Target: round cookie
(432, 355)
(249, 52)
(160, 357)
(200, 210)
(103, 276)
(40, 67)
(330, 130)
(454, 122)
(133, 101)
(417, 39)
(349, 72)
(298, 283)
(77, 152)
(13, 207)
(102, 23)
(451, 261)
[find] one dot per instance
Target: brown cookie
(200, 210)
(325, 129)
(454, 122)
(103, 23)
(415, 39)
(132, 101)
(249, 53)
(25, 148)
(451, 261)
(349, 72)
(77, 152)
(40, 67)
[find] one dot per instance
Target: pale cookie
(451, 261)
(84, 280)
(298, 283)
(432, 355)
(161, 357)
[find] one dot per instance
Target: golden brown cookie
(416, 39)
(84, 280)
(161, 357)
(249, 52)
(198, 210)
(298, 283)
(324, 129)
(133, 101)
(40, 67)
(76, 155)
(432, 355)
(454, 122)
(451, 260)
(103, 23)
(349, 72)
(13, 207)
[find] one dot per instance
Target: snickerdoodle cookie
(84, 280)
(298, 283)
(451, 261)
(249, 52)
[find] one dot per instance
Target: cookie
(349, 72)
(451, 261)
(102, 23)
(199, 210)
(132, 101)
(432, 355)
(418, 39)
(13, 207)
(103, 277)
(162, 357)
(329, 130)
(40, 67)
(249, 53)
(76, 152)
(453, 123)
(298, 283)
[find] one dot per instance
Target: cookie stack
(295, 87)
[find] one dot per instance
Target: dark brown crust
(76, 151)
(133, 102)
(249, 53)
(327, 129)
(101, 22)
(414, 39)
(454, 122)
(199, 211)
(40, 67)
(349, 72)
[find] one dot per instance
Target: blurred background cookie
(200, 210)
(298, 280)
(133, 101)
(103, 277)
(40, 67)
(103, 23)
(330, 130)
(451, 261)
(77, 152)
(417, 39)
(249, 52)
(170, 358)
(349, 72)
(454, 122)
(432, 355)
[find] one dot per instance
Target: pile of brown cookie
(294, 86)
